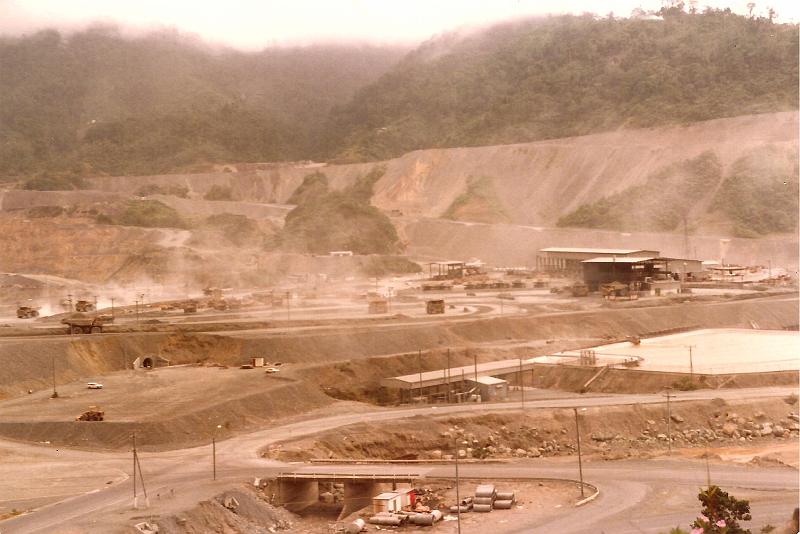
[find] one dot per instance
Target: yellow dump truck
(81, 323)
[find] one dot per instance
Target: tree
(750, 6)
(771, 14)
(721, 513)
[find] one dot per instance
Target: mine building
(488, 381)
(446, 270)
(489, 388)
(568, 261)
(657, 274)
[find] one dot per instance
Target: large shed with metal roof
(568, 260)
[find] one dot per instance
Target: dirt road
(626, 486)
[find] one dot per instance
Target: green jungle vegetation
(478, 203)
(757, 198)
(97, 103)
(326, 220)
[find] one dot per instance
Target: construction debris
(92, 414)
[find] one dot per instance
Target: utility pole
(55, 393)
(669, 395)
(419, 365)
(475, 366)
(141, 479)
(580, 461)
(691, 363)
(447, 376)
(69, 300)
(135, 498)
(458, 496)
(463, 387)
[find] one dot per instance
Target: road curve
(625, 485)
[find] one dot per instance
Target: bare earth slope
(536, 182)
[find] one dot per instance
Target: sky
(255, 24)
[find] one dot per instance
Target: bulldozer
(84, 306)
(26, 312)
(92, 414)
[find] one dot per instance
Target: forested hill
(566, 76)
(95, 102)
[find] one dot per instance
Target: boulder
(677, 418)
(729, 429)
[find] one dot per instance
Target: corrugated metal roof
(624, 259)
(592, 250)
(442, 376)
(489, 380)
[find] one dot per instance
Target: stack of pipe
(505, 500)
(485, 495)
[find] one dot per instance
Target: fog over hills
(95, 103)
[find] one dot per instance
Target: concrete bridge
(300, 490)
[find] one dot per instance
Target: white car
(271, 370)
(94, 385)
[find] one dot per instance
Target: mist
(252, 25)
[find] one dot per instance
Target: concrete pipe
(483, 500)
(463, 508)
(503, 505)
(424, 520)
(355, 527)
(385, 520)
(505, 496)
(482, 508)
(485, 490)
(437, 515)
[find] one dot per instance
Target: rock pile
(531, 442)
